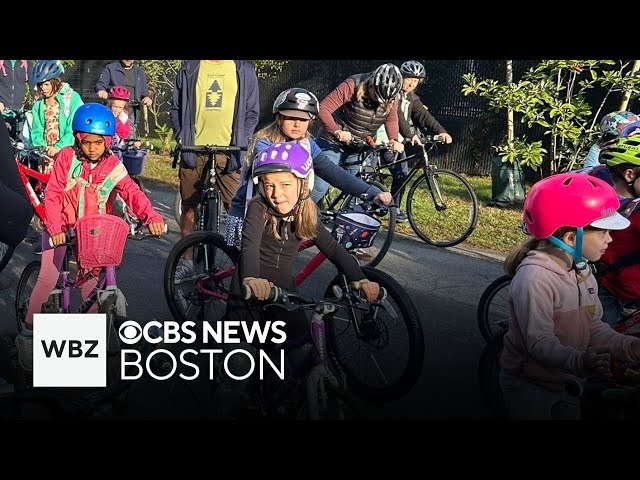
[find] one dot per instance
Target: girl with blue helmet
(85, 180)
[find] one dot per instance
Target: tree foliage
(552, 95)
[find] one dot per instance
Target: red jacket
(61, 206)
(625, 282)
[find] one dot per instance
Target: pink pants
(50, 267)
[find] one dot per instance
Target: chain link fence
(474, 128)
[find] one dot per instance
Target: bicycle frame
(210, 191)
(25, 174)
(313, 264)
(423, 165)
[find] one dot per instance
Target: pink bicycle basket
(101, 240)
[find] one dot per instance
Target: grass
(497, 229)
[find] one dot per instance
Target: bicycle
(495, 327)
(134, 158)
(453, 200)
(357, 342)
(97, 244)
(310, 386)
(208, 211)
(31, 162)
(493, 311)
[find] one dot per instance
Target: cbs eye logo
(130, 332)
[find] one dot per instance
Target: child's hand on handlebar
(156, 228)
(260, 287)
(384, 197)
(58, 239)
(370, 289)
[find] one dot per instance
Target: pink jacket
(555, 316)
(61, 206)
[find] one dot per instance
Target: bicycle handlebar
(135, 233)
(280, 295)
(202, 149)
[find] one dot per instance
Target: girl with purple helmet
(278, 219)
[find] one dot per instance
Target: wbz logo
(69, 350)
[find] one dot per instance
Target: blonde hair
(520, 251)
(273, 134)
(362, 91)
(305, 223)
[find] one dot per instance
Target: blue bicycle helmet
(45, 70)
(94, 118)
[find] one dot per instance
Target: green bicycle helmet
(624, 150)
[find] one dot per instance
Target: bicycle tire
(6, 252)
(395, 381)
(463, 219)
(177, 207)
(108, 307)
(180, 308)
(493, 309)
(24, 290)
(373, 255)
(488, 376)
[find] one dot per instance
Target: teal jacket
(69, 101)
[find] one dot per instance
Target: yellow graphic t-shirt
(216, 91)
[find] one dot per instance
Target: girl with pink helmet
(556, 333)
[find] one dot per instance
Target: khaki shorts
(193, 180)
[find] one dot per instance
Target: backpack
(102, 190)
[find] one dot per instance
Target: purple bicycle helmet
(284, 157)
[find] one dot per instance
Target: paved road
(445, 285)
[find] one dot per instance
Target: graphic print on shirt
(215, 92)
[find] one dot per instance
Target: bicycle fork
(315, 385)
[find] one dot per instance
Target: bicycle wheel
(383, 360)
(6, 252)
(442, 209)
(108, 307)
(213, 266)
(488, 376)
(373, 255)
(493, 308)
(26, 284)
(177, 207)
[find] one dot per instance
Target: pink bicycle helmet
(119, 93)
(571, 200)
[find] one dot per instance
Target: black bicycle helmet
(45, 70)
(412, 69)
(387, 82)
(297, 103)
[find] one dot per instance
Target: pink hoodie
(555, 316)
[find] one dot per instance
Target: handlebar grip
(176, 154)
(274, 295)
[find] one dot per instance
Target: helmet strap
(581, 263)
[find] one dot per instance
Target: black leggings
(15, 208)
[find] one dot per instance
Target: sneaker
(401, 217)
(24, 342)
(37, 248)
(182, 300)
(184, 271)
